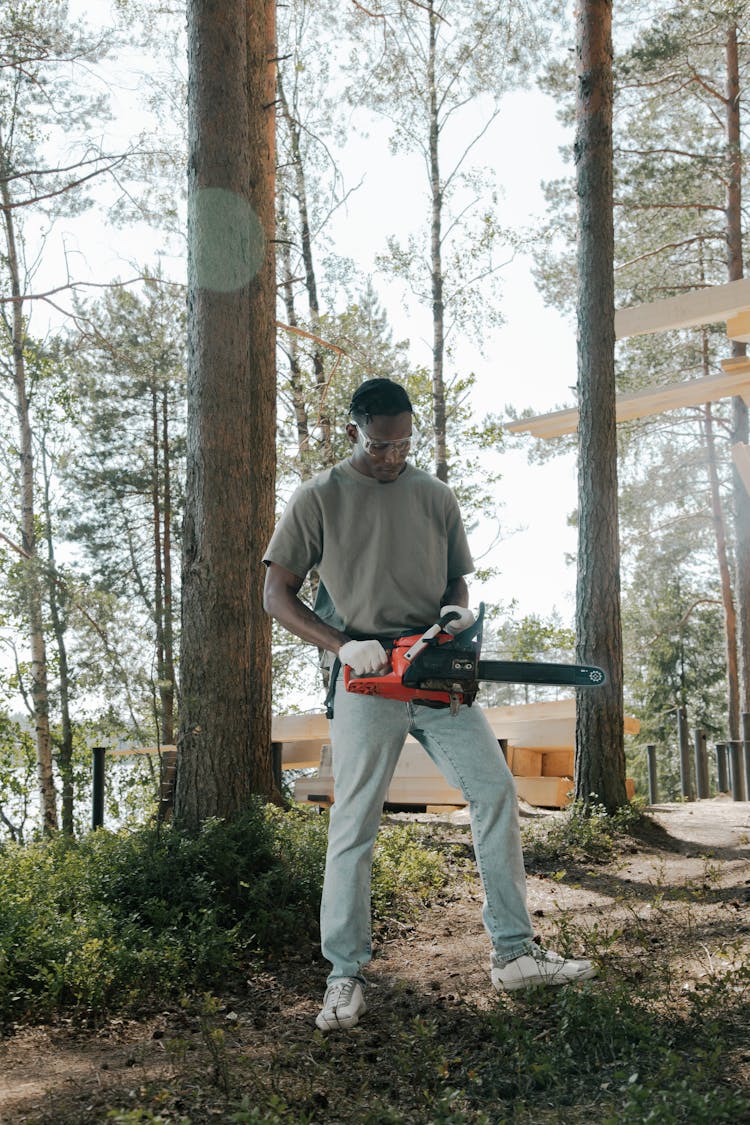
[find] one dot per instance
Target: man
(389, 545)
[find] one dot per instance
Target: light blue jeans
(367, 735)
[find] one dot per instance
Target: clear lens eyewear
(383, 448)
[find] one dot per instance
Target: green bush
(579, 836)
(119, 918)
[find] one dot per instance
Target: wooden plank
(525, 763)
(741, 458)
(738, 327)
(296, 728)
(557, 763)
(142, 750)
(545, 792)
(651, 400)
(709, 305)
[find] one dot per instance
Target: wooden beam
(710, 305)
(741, 458)
(738, 327)
(651, 400)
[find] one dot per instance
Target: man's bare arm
(280, 600)
(456, 593)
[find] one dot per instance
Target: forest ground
(672, 899)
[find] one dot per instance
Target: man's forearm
(300, 620)
(457, 593)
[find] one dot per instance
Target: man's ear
(352, 433)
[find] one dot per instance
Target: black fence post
(653, 788)
(734, 757)
(684, 744)
(97, 779)
(701, 764)
(721, 767)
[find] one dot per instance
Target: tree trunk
(311, 283)
(730, 616)
(33, 578)
(295, 370)
(59, 628)
(436, 264)
(156, 525)
(735, 269)
(168, 685)
(600, 756)
(225, 730)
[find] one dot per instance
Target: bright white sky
(530, 362)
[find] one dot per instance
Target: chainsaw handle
(428, 634)
(448, 617)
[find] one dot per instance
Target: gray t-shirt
(385, 553)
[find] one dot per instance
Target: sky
(529, 362)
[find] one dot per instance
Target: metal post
(746, 751)
(97, 779)
(701, 765)
(653, 790)
(734, 757)
(276, 764)
(684, 744)
(721, 767)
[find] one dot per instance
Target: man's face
(381, 446)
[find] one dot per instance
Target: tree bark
(600, 756)
(436, 264)
(59, 628)
(33, 578)
(168, 685)
(735, 269)
(225, 730)
(311, 283)
(730, 615)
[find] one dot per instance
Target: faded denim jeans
(367, 735)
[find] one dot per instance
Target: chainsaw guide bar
(437, 668)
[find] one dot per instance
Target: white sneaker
(343, 1004)
(538, 966)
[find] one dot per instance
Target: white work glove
(365, 658)
(458, 624)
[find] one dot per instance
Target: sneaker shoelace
(339, 995)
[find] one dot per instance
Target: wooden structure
(537, 740)
(729, 303)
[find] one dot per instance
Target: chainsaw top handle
(448, 617)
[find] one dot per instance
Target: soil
(183, 1060)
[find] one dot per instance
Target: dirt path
(61, 1073)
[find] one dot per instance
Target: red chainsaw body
(390, 685)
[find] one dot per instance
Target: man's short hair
(379, 396)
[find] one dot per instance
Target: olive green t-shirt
(385, 553)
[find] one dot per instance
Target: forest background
(93, 148)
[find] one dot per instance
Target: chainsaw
(438, 668)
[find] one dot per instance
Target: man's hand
(458, 624)
(365, 658)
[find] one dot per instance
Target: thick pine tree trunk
(224, 745)
(735, 268)
(600, 757)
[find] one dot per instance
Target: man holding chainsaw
(390, 548)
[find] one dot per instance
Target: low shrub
(116, 919)
(580, 836)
